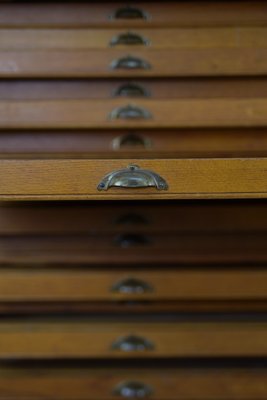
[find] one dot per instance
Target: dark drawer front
(243, 217)
(78, 285)
(85, 340)
(143, 14)
(168, 383)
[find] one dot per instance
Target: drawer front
(78, 39)
(111, 63)
(147, 14)
(168, 383)
(117, 113)
(53, 285)
(109, 218)
(91, 179)
(132, 144)
(83, 340)
(131, 249)
(195, 88)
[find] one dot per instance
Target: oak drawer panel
(158, 14)
(78, 39)
(80, 179)
(128, 250)
(82, 340)
(107, 63)
(76, 285)
(117, 113)
(169, 383)
(150, 217)
(168, 143)
(196, 88)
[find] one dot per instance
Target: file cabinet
(133, 218)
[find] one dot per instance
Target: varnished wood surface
(88, 339)
(59, 284)
(184, 249)
(171, 383)
(154, 217)
(26, 89)
(97, 63)
(79, 179)
(171, 14)
(75, 39)
(93, 144)
(88, 114)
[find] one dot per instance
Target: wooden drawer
(177, 38)
(195, 383)
(130, 143)
(143, 113)
(111, 63)
(37, 284)
(88, 339)
(80, 179)
(144, 217)
(152, 14)
(135, 250)
(193, 88)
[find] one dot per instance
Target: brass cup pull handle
(129, 39)
(131, 140)
(132, 286)
(131, 90)
(132, 343)
(133, 177)
(129, 62)
(132, 390)
(130, 112)
(129, 13)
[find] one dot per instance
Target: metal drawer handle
(131, 239)
(129, 62)
(132, 286)
(130, 112)
(129, 13)
(132, 343)
(129, 39)
(131, 139)
(131, 90)
(133, 177)
(132, 390)
(131, 219)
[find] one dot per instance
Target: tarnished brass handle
(133, 343)
(133, 177)
(132, 286)
(131, 140)
(129, 39)
(129, 62)
(132, 390)
(126, 240)
(131, 219)
(131, 90)
(129, 13)
(130, 112)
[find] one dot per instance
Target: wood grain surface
(168, 14)
(187, 178)
(97, 63)
(203, 217)
(65, 285)
(168, 383)
(89, 114)
(74, 39)
(88, 339)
